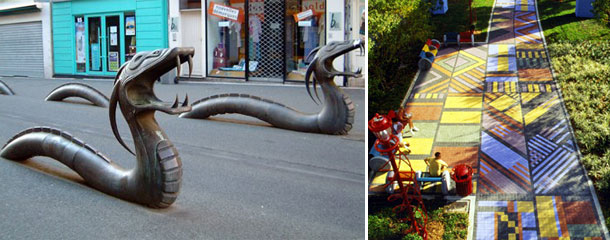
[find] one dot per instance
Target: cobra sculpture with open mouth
(156, 178)
(336, 116)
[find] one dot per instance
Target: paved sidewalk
(496, 107)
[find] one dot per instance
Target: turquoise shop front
(95, 37)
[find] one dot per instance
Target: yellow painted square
(420, 146)
(463, 102)
(502, 64)
(502, 102)
(461, 117)
(380, 178)
(525, 206)
(512, 236)
(418, 165)
(504, 218)
(511, 224)
(515, 113)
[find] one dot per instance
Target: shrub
(397, 32)
(412, 236)
(583, 72)
(379, 227)
(602, 9)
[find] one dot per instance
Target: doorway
(105, 45)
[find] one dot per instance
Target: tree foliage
(397, 31)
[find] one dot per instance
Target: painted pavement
(496, 107)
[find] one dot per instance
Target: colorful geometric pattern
(436, 80)
(496, 108)
(505, 3)
(526, 28)
(506, 220)
(539, 87)
(469, 71)
(535, 105)
(503, 165)
(502, 87)
(525, 6)
(501, 29)
(567, 218)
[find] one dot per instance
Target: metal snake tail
(5, 89)
(78, 90)
(336, 116)
(156, 179)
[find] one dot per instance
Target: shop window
(305, 30)
(190, 4)
(130, 36)
(226, 41)
(81, 44)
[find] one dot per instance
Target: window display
(130, 36)
(226, 38)
(279, 35)
(305, 30)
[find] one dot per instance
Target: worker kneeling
(438, 172)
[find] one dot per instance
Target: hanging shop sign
(113, 61)
(130, 26)
(226, 12)
(316, 5)
(303, 15)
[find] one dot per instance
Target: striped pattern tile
(501, 87)
(538, 87)
(540, 109)
(526, 28)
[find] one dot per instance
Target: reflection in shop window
(305, 30)
(226, 38)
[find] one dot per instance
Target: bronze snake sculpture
(81, 90)
(156, 179)
(336, 116)
(5, 89)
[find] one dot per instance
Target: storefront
(95, 37)
(25, 39)
(263, 39)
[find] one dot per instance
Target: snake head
(321, 60)
(133, 85)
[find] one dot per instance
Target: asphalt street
(242, 179)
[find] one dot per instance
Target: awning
(19, 8)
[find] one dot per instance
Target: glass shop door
(105, 51)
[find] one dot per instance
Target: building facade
(25, 39)
(95, 37)
(262, 40)
(259, 40)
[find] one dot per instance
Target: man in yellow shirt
(437, 166)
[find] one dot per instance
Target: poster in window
(130, 26)
(95, 57)
(80, 42)
(113, 36)
(113, 61)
